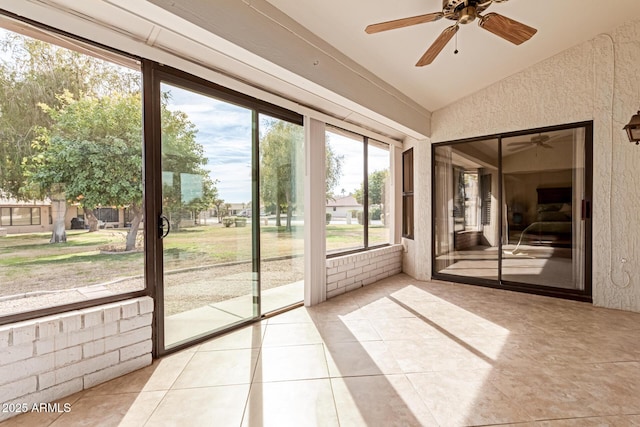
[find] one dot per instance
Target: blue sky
(224, 131)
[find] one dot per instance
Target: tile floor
(397, 353)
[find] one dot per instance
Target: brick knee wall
(48, 358)
(349, 272)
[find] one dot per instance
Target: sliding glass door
(544, 189)
(227, 177)
(209, 274)
(513, 210)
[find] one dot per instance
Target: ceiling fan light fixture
(467, 15)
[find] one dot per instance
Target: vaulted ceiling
(482, 58)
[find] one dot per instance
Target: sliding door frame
(153, 75)
(573, 294)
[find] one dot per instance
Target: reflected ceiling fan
(462, 12)
(539, 140)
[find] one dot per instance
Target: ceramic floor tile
(291, 334)
(386, 308)
(360, 358)
(291, 363)
(545, 393)
(247, 337)
(297, 315)
(204, 406)
(142, 408)
(405, 328)
(159, 376)
(291, 403)
(222, 367)
(379, 401)
(347, 331)
(110, 410)
(459, 398)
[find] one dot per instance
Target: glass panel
(543, 192)
(345, 176)
(466, 210)
(21, 216)
(35, 216)
(281, 213)
(71, 128)
(379, 193)
(209, 273)
(5, 217)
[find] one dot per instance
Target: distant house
(343, 206)
(25, 216)
(35, 216)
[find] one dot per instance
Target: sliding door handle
(162, 231)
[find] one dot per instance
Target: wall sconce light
(633, 129)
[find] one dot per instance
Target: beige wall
(597, 80)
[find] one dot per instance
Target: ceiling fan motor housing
(464, 11)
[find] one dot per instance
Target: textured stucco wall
(598, 80)
(416, 256)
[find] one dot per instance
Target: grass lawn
(30, 263)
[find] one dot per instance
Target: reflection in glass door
(281, 213)
(544, 186)
(209, 268)
(466, 214)
(514, 211)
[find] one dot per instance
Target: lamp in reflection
(633, 129)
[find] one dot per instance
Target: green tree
(281, 149)
(333, 170)
(186, 185)
(35, 72)
(377, 189)
(93, 154)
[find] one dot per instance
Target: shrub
(328, 216)
(241, 222)
(228, 221)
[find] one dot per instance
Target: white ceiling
(483, 58)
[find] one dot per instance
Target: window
(407, 194)
(357, 196)
(72, 142)
(17, 216)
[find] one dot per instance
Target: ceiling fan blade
(545, 145)
(520, 144)
(404, 22)
(437, 46)
(507, 28)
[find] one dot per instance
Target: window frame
(39, 31)
(408, 216)
(365, 199)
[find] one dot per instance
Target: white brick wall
(46, 359)
(353, 271)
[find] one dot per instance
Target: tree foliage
(36, 72)
(376, 186)
(93, 150)
(281, 153)
(187, 188)
(333, 170)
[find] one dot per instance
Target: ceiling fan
(462, 12)
(539, 140)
